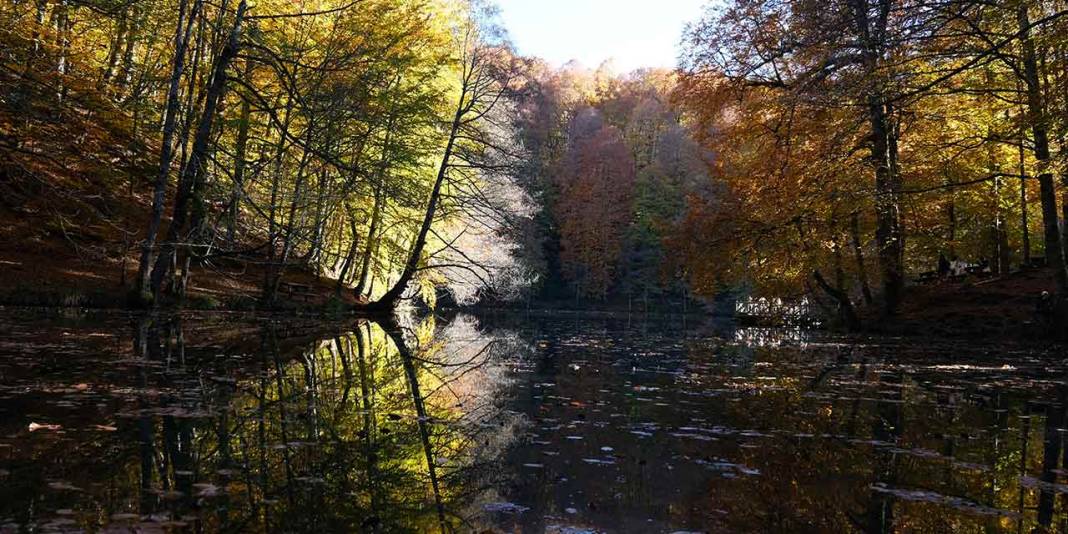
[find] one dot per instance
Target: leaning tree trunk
(390, 298)
(346, 266)
(166, 158)
(846, 312)
(196, 166)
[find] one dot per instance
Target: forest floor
(70, 232)
(39, 271)
(999, 307)
(75, 196)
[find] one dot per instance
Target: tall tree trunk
(196, 167)
(376, 210)
(277, 269)
(315, 247)
(951, 219)
(1025, 230)
(166, 158)
(63, 30)
(1001, 235)
(241, 148)
(125, 74)
(272, 207)
(858, 255)
(1037, 117)
(342, 276)
(1000, 241)
(889, 233)
(371, 243)
(391, 297)
(888, 212)
(41, 15)
(115, 49)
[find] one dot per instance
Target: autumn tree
(596, 187)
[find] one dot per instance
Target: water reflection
(248, 427)
(520, 424)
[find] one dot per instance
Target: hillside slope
(75, 194)
(1005, 307)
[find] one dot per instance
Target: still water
(519, 424)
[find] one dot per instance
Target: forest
(363, 143)
(376, 152)
(449, 266)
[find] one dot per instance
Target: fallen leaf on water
(206, 490)
(43, 426)
(63, 486)
(505, 507)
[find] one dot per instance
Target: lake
(513, 423)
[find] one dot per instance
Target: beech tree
(889, 129)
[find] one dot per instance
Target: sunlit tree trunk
(125, 74)
(390, 298)
(115, 50)
(64, 22)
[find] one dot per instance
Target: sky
(633, 33)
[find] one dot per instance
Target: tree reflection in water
(544, 425)
(380, 428)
